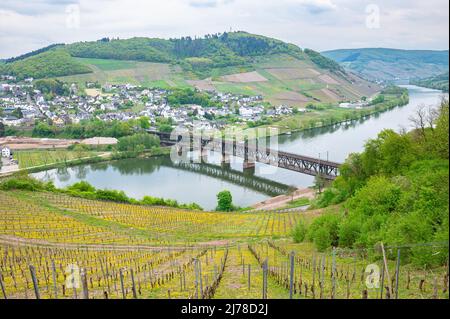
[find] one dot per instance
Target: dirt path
(283, 200)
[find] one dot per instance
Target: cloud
(316, 6)
(317, 24)
(35, 7)
(208, 3)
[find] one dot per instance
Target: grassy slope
(173, 63)
(302, 82)
(388, 64)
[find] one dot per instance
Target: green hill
(47, 64)
(439, 82)
(236, 62)
(391, 64)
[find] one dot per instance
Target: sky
(317, 24)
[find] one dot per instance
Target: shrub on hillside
(299, 232)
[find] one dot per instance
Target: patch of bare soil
(328, 79)
(25, 143)
(292, 73)
(291, 96)
(202, 85)
(283, 200)
(332, 95)
(244, 77)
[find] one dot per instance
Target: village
(21, 104)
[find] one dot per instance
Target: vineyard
(34, 158)
(57, 246)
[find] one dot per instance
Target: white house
(6, 152)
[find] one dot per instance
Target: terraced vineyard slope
(56, 246)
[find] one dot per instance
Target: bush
(299, 232)
(137, 143)
(85, 190)
(225, 201)
(349, 232)
(26, 183)
(324, 231)
(113, 195)
(82, 187)
(322, 239)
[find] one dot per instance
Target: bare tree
(420, 119)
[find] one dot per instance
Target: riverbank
(35, 169)
(315, 119)
(104, 157)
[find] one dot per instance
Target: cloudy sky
(316, 24)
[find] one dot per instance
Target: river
(200, 183)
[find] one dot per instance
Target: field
(34, 158)
(56, 246)
(281, 79)
(139, 73)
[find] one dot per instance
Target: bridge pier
(179, 150)
(204, 155)
(249, 168)
(225, 162)
(249, 163)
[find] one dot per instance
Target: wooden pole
(84, 284)
(291, 281)
(121, 284)
(133, 287)
(35, 283)
(74, 288)
(333, 276)
(55, 288)
(249, 275)
(196, 278)
(2, 286)
(386, 268)
(397, 273)
(382, 282)
(435, 289)
(264, 288)
(201, 277)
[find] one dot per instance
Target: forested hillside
(439, 82)
(391, 64)
(198, 55)
(47, 64)
(35, 52)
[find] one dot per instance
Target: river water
(200, 183)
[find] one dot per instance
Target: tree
(225, 201)
(2, 129)
(144, 122)
(291, 191)
(441, 132)
(137, 143)
(165, 128)
(18, 113)
(319, 183)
